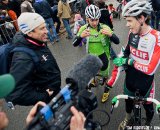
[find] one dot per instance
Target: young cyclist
(141, 57)
(98, 40)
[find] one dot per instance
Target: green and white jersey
(97, 43)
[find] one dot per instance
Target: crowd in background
(55, 12)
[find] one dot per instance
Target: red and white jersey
(145, 51)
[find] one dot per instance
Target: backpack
(155, 5)
(6, 52)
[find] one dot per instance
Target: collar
(34, 41)
(98, 26)
(148, 31)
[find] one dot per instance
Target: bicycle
(136, 119)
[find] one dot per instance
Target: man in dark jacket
(43, 8)
(105, 16)
(33, 82)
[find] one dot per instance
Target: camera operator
(76, 122)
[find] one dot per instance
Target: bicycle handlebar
(115, 101)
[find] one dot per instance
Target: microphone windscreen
(7, 84)
(84, 71)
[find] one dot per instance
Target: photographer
(76, 123)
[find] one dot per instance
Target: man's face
(133, 24)
(93, 22)
(40, 33)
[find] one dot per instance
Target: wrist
(131, 62)
(110, 35)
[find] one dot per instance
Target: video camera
(56, 115)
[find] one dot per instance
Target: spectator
(64, 12)
(44, 9)
(11, 5)
(7, 29)
(78, 23)
(12, 9)
(83, 5)
(26, 6)
(33, 82)
(112, 11)
(105, 15)
(55, 18)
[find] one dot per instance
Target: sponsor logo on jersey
(140, 54)
(141, 68)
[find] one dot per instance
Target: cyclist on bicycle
(141, 56)
(98, 40)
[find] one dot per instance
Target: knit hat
(77, 17)
(29, 21)
(7, 84)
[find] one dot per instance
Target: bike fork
(137, 115)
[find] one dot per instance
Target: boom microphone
(84, 71)
(79, 77)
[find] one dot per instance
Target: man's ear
(141, 20)
(30, 34)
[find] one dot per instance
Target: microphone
(7, 84)
(84, 71)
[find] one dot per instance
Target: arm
(77, 40)
(82, 33)
(114, 39)
(60, 9)
(108, 32)
(114, 76)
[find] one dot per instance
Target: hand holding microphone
(7, 84)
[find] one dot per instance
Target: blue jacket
(43, 8)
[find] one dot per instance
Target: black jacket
(105, 18)
(31, 80)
